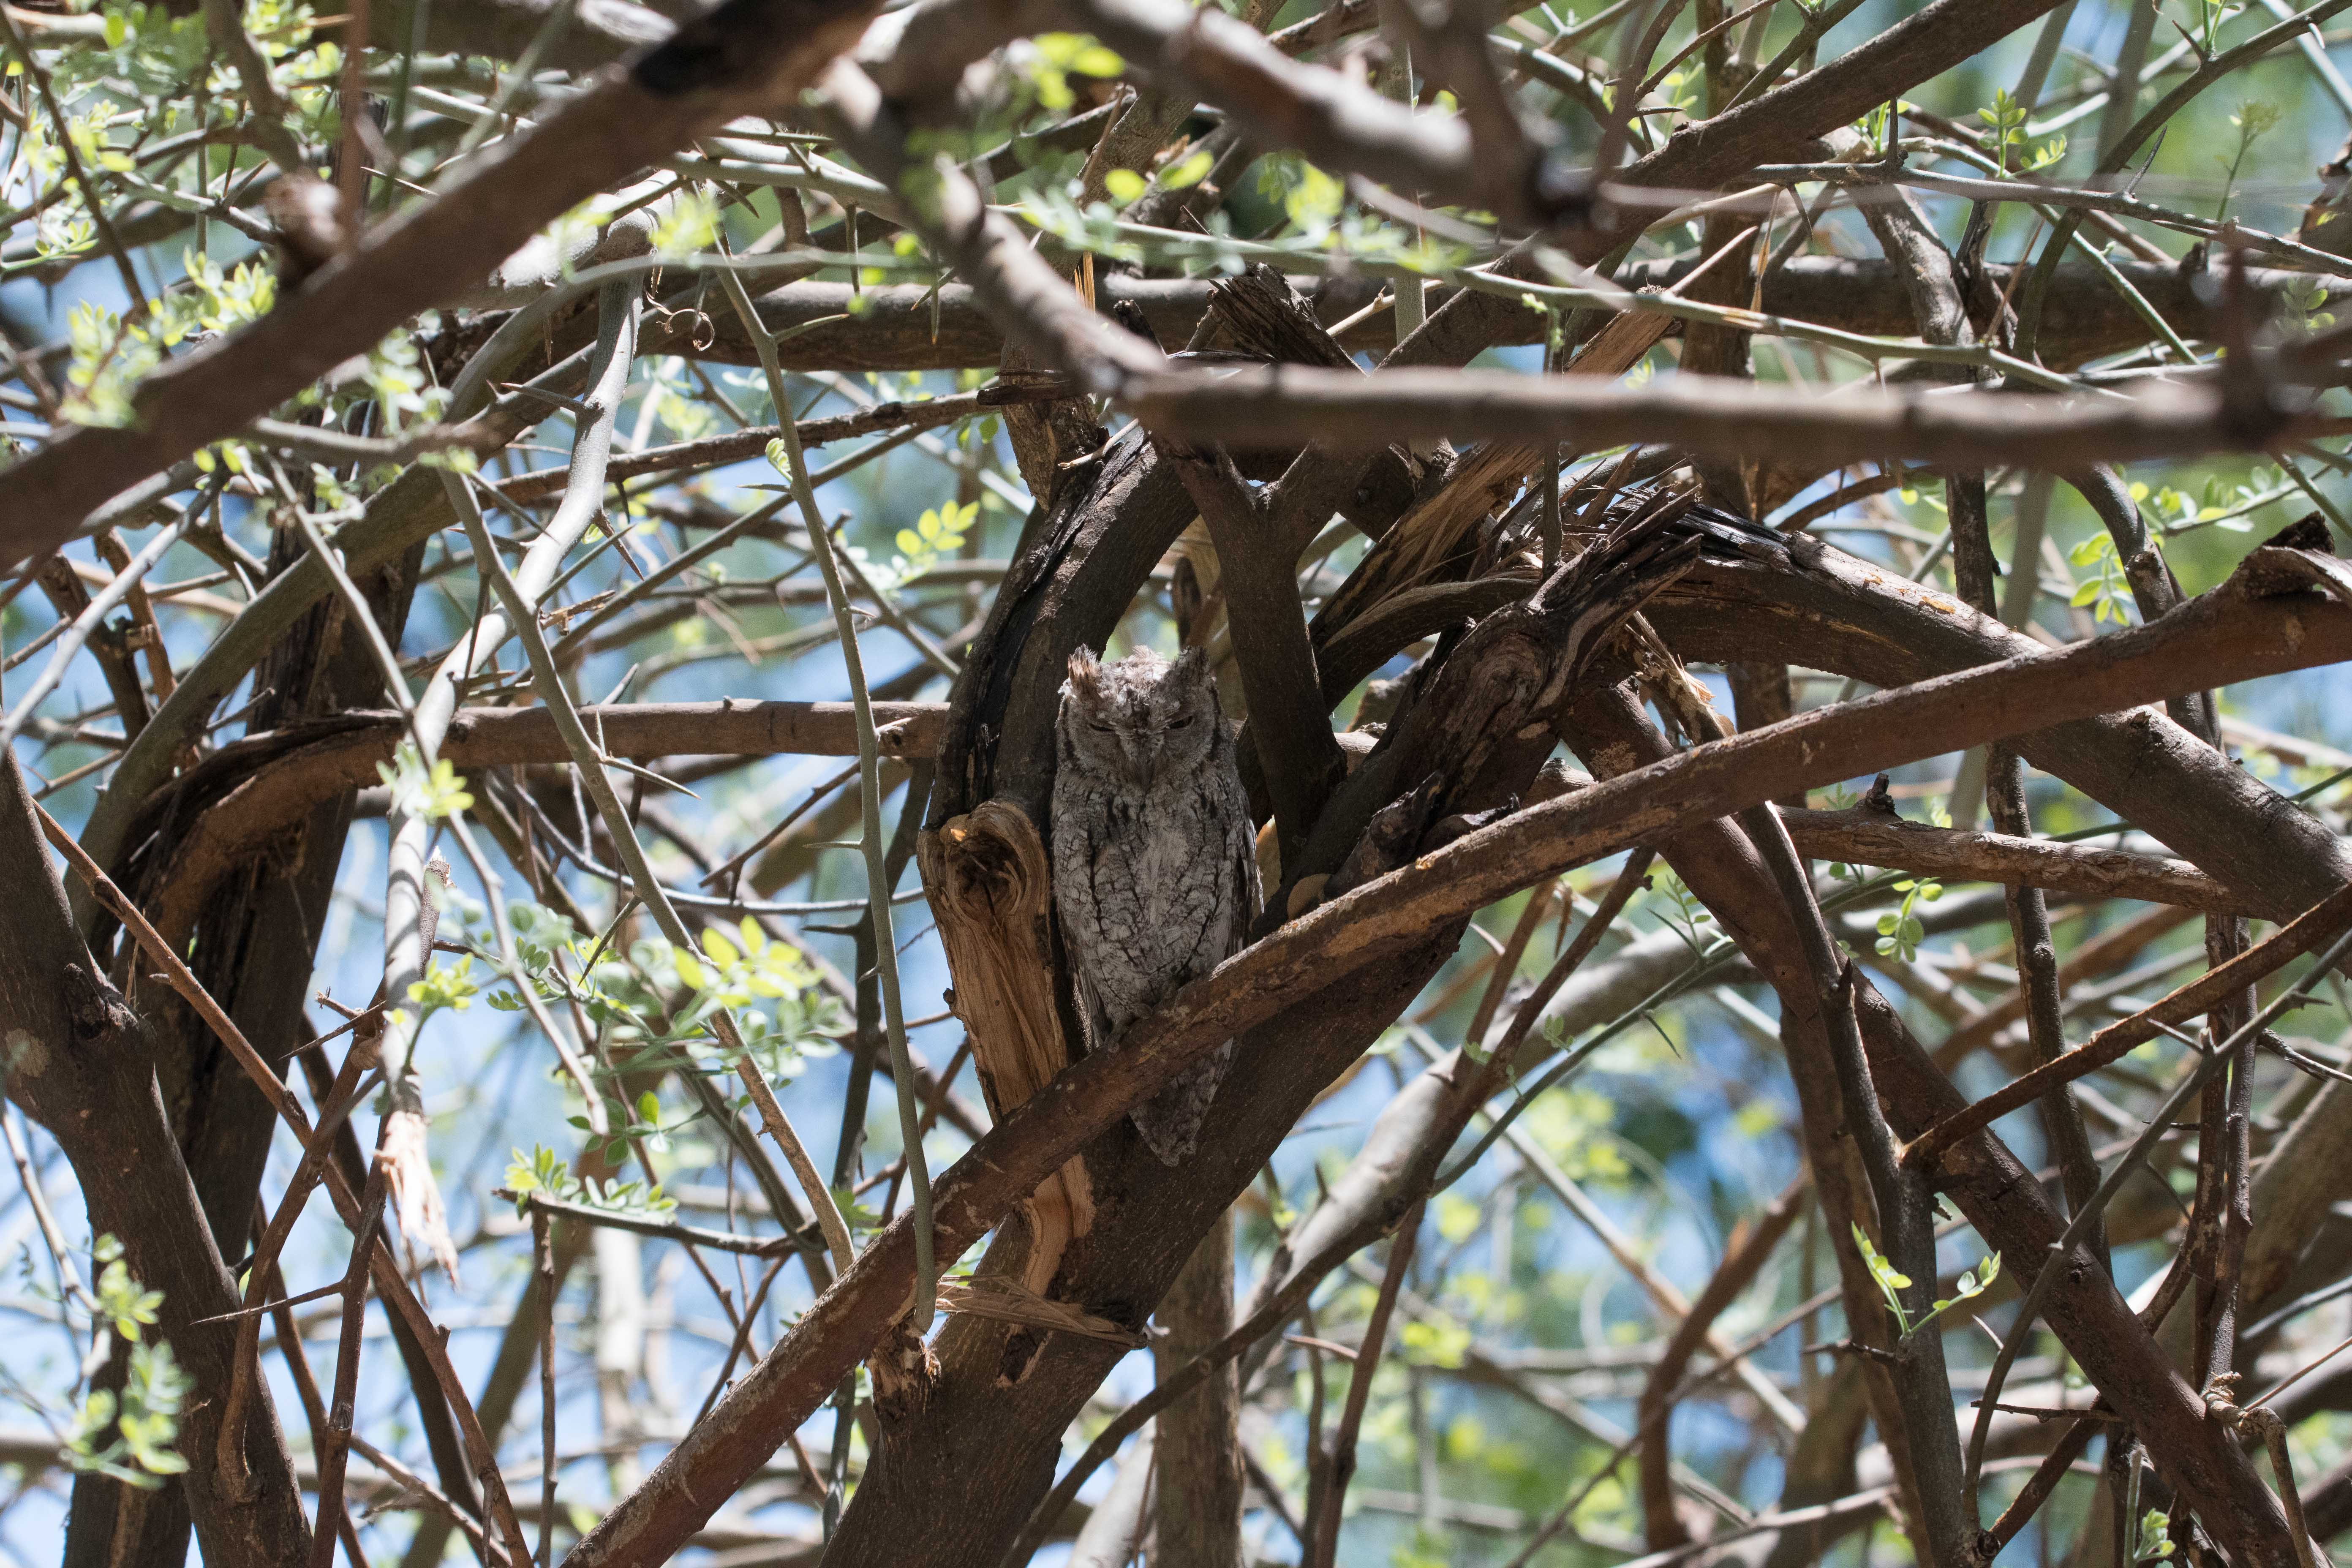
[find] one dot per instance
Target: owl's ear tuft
(1189, 681)
(1085, 675)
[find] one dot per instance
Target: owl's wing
(1241, 859)
(1171, 1120)
(1079, 914)
(1093, 1017)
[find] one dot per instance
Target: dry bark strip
(992, 892)
(2215, 639)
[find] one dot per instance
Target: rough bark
(2087, 317)
(1199, 1502)
(82, 1063)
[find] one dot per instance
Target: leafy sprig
(1900, 931)
(1891, 1280)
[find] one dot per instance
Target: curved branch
(1743, 1257)
(1827, 610)
(257, 787)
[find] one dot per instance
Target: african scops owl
(1154, 870)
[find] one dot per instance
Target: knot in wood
(93, 1007)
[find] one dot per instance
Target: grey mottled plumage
(1155, 873)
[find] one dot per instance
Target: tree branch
(2214, 639)
(84, 1070)
(1337, 122)
(901, 327)
(747, 57)
(1289, 729)
(1289, 405)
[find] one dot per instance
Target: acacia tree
(1587, 442)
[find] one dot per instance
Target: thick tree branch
(1282, 406)
(1334, 121)
(1290, 730)
(2215, 987)
(909, 327)
(2002, 1199)
(1827, 610)
(2076, 870)
(1033, 303)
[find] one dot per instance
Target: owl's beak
(1143, 758)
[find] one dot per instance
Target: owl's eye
(1183, 723)
(1102, 729)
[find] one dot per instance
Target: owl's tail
(1171, 1120)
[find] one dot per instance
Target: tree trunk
(1199, 1499)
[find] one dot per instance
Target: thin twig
(2117, 1040)
(86, 623)
(2046, 1276)
(389, 1279)
(543, 1261)
(589, 768)
(1324, 1544)
(663, 1230)
(347, 1364)
(245, 1367)
(871, 842)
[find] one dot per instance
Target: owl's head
(1141, 718)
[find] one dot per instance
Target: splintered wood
(991, 889)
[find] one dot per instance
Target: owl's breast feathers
(1182, 889)
(1156, 901)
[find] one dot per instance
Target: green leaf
(1182, 176)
